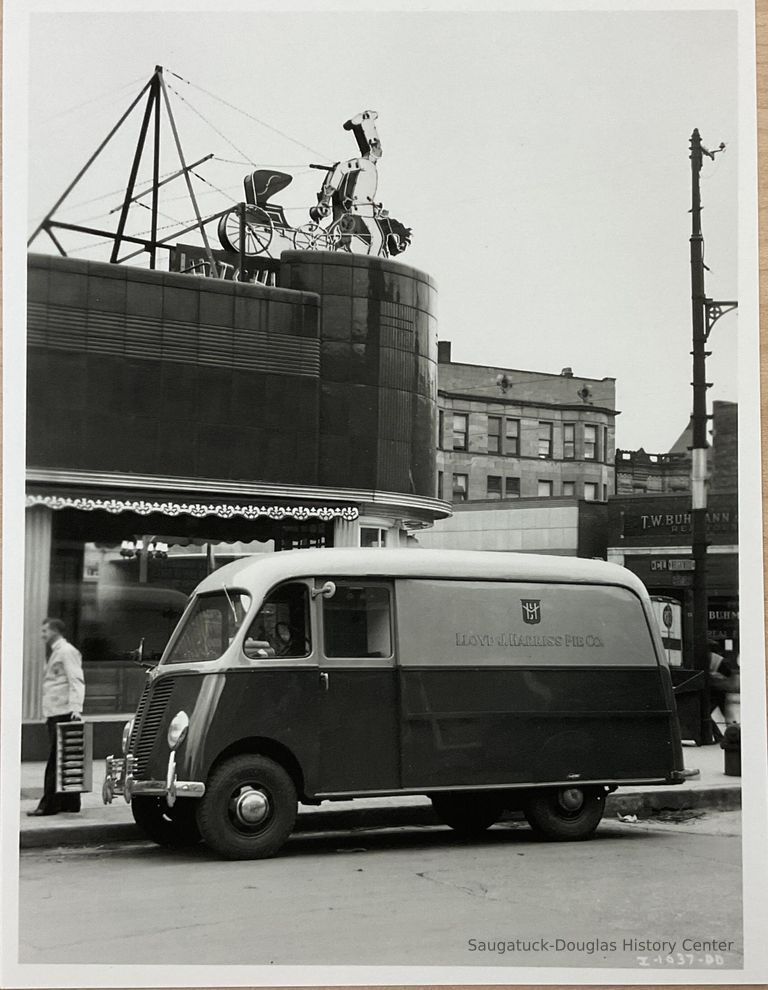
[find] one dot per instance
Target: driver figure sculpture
(349, 192)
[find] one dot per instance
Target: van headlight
(127, 730)
(177, 729)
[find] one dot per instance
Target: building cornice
(499, 400)
(665, 550)
(523, 371)
(506, 458)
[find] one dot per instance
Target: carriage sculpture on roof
(346, 218)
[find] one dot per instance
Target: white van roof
(259, 573)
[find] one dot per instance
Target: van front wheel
(249, 808)
(565, 814)
(468, 813)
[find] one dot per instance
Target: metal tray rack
(74, 757)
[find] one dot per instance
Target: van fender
(271, 748)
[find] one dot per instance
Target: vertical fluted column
(346, 533)
(37, 567)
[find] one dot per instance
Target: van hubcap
(251, 807)
(571, 799)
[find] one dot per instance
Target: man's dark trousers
(51, 802)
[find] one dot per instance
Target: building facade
(564, 526)
(640, 473)
(506, 434)
(650, 532)
(520, 455)
(175, 421)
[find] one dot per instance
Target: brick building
(519, 455)
(641, 473)
(505, 434)
(649, 528)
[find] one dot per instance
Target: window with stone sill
(512, 488)
(460, 431)
(494, 434)
(545, 441)
(590, 443)
(493, 490)
(569, 441)
(460, 487)
(512, 437)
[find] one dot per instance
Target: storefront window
(372, 536)
(111, 600)
(723, 624)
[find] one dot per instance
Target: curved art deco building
(199, 415)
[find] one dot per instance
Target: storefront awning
(198, 510)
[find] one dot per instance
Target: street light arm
(713, 310)
(711, 154)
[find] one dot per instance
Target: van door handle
(324, 680)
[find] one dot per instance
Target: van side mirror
(328, 590)
(137, 656)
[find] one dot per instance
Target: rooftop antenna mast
(156, 90)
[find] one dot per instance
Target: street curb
(644, 804)
(99, 833)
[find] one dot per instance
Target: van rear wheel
(468, 813)
(167, 826)
(565, 814)
(248, 809)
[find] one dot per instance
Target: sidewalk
(97, 823)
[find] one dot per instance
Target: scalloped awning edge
(197, 510)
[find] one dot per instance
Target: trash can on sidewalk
(687, 685)
(731, 746)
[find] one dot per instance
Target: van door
(358, 702)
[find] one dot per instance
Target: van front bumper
(119, 779)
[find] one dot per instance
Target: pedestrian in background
(720, 677)
(63, 694)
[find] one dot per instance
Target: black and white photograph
(382, 542)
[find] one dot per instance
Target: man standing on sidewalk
(63, 694)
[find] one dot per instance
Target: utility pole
(704, 313)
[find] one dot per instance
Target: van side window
(357, 621)
(281, 627)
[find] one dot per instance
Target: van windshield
(208, 627)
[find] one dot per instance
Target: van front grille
(146, 730)
(138, 716)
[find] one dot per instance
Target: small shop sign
(673, 564)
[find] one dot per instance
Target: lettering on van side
(513, 640)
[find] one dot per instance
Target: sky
(540, 158)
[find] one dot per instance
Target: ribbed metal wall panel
(395, 414)
(397, 315)
(116, 334)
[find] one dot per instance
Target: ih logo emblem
(531, 610)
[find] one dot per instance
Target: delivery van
(487, 681)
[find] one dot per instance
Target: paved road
(399, 896)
